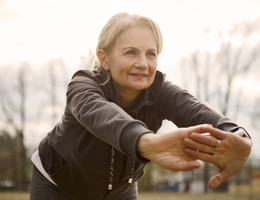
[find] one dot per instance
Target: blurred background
(211, 48)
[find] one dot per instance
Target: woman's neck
(126, 100)
(125, 96)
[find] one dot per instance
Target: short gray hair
(118, 24)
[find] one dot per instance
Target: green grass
(14, 196)
(189, 196)
(153, 196)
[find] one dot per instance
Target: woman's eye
(152, 54)
(130, 52)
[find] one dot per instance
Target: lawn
(153, 196)
(188, 196)
(14, 196)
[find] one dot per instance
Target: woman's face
(133, 61)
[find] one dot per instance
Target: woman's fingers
(202, 128)
(216, 180)
(190, 165)
(205, 139)
(196, 146)
(185, 166)
(209, 143)
(217, 133)
(199, 155)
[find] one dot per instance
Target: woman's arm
(166, 150)
(88, 103)
(184, 110)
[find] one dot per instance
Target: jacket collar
(148, 96)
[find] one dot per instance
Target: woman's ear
(102, 57)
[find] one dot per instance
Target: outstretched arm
(228, 151)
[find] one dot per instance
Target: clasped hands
(180, 150)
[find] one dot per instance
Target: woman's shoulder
(88, 75)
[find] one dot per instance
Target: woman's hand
(166, 150)
(230, 155)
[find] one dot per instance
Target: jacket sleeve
(184, 110)
(87, 103)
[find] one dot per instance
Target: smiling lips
(139, 75)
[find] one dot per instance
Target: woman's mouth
(139, 75)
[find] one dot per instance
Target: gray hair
(118, 24)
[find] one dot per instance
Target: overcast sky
(40, 30)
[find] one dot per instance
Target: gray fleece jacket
(77, 152)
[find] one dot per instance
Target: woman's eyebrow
(125, 48)
(130, 48)
(155, 50)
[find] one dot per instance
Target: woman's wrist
(145, 143)
(243, 133)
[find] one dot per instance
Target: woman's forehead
(137, 38)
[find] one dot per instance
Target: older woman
(107, 133)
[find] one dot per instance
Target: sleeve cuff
(130, 138)
(240, 131)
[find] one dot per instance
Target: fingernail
(208, 125)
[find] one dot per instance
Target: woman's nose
(142, 62)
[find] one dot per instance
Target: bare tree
(7, 152)
(256, 113)
(52, 83)
(235, 61)
(211, 76)
(13, 103)
(86, 62)
(24, 89)
(57, 75)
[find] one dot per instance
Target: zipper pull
(111, 173)
(130, 180)
(110, 186)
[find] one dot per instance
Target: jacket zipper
(125, 161)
